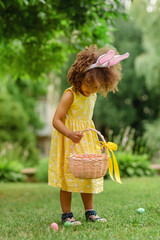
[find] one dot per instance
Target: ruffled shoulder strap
(71, 89)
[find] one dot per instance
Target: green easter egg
(67, 224)
(140, 210)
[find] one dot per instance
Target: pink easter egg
(54, 226)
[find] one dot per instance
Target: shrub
(152, 136)
(10, 166)
(14, 126)
(127, 141)
(131, 165)
(10, 171)
(42, 170)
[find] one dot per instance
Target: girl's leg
(65, 199)
(87, 199)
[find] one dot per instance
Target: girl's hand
(76, 136)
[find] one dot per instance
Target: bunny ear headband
(108, 59)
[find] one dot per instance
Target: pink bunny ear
(102, 61)
(117, 58)
(107, 56)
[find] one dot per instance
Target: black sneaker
(91, 215)
(68, 217)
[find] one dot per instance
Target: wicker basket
(90, 165)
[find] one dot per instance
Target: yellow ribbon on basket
(110, 146)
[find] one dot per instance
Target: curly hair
(107, 78)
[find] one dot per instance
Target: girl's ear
(117, 58)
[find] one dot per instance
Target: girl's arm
(59, 116)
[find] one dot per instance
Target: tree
(26, 93)
(14, 126)
(146, 15)
(37, 35)
(19, 119)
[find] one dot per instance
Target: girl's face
(88, 89)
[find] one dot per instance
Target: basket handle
(94, 130)
(116, 168)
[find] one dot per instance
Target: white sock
(88, 210)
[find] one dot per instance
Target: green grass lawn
(27, 210)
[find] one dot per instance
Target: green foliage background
(134, 104)
(146, 17)
(38, 37)
(15, 126)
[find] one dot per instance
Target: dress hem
(67, 190)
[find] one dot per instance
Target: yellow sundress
(78, 117)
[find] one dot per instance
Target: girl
(93, 71)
